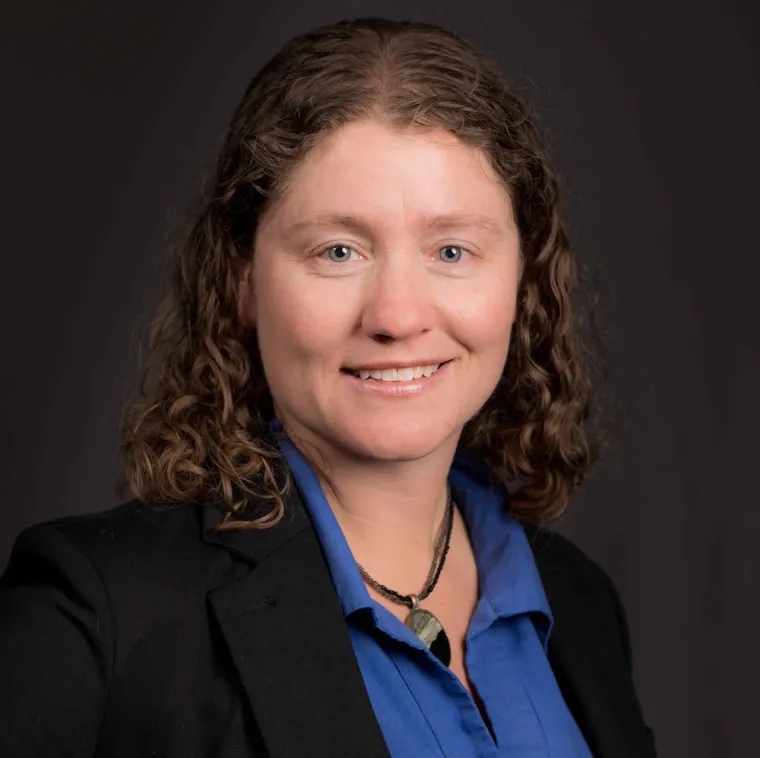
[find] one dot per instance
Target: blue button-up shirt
(421, 706)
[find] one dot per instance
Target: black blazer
(142, 632)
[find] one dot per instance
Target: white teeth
(399, 375)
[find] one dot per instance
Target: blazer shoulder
(556, 552)
(140, 553)
(557, 555)
(131, 526)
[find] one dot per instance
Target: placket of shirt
(419, 669)
(496, 659)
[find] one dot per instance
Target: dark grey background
(110, 112)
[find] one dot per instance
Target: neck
(390, 512)
(400, 506)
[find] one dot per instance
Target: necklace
(423, 623)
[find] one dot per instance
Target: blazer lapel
(285, 629)
(588, 665)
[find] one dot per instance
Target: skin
(395, 295)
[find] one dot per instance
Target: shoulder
(570, 576)
(556, 553)
(134, 528)
(130, 557)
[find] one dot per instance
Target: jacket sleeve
(622, 618)
(55, 648)
(625, 636)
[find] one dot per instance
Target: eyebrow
(441, 222)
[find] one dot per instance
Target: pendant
(430, 630)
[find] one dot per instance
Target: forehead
(389, 176)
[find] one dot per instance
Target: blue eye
(457, 253)
(342, 250)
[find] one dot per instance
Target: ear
(246, 302)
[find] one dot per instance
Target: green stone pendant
(430, 630)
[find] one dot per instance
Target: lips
(388, 366)
(396, 387)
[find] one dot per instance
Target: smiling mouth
(406, 374)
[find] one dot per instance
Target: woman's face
(388, 247)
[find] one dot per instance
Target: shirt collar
(352, 592)
(509, 580)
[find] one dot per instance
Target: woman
(369, 336)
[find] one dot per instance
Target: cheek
(297, 322)
(485, 316)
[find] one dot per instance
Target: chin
(397, 445)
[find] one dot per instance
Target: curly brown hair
(199, 430)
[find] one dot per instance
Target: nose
(399, 297)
